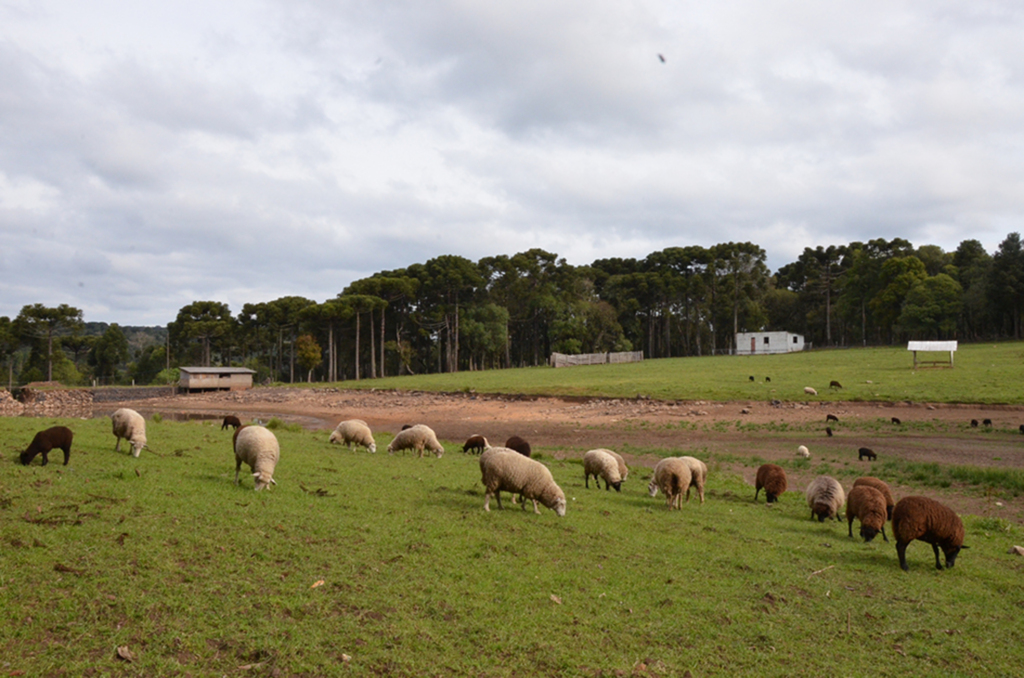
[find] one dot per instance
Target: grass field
(984, 373)
(195, 576)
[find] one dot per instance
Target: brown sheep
(867, 505)
(834, 384)
(230, 420)
(866, 452)
(828, 431)
(882, 487)
(519, 445)
(44, 441)
(896, 420)
(831, 417)
(931, 522)
(773, 479)
(476, 444)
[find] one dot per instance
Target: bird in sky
(662, 58)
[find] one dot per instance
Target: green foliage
(167, 376)
(387, 564)
(108, 352)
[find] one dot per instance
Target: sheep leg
(756, 492)
(700, 491)
(238, 466)
(849, 526)
(901, 551)
(938, 563)
(536, 509)
(487, 501)
(586, 480)
(67, 454)
(883, 533)
(117, 447)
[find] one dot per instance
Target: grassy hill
(984, 373)
(378, 564)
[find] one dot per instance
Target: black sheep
(834, 384)
(974, 423)
(828, 431)
(44, 441)
(896, 421)
(987, 422)
(831, 417)
(751, 377)
(866, 452)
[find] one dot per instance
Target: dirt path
(936, 433)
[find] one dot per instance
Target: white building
(758, 343)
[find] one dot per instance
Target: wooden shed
(215, 378)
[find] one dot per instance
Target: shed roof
(931, 345)
(217, 370)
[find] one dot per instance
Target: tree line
(450, 313)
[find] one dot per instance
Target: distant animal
(44, 441)
(600, 464)
(420, 437)
(230, 420)
(802, 451)
(130, 425)
(974, 423)
(767, 380)
(831, 417)
(751, 377)
(834, 384)
(661, 58)
(406, 426)
(475, 444)
(353, 431)
(828, 431)
(519, 445)
(931, 522)
(866, 452)
(1022, 428)
(987, 422)
(896, 421)
(810, 390)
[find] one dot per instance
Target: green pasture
(164, 555)
(983, 373)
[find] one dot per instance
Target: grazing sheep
(1022, 428)
(130, 425)
(974, 423)
(519, 445)
(882, 487)
(834, 384)
(802, 451)
(230, 420)
(502, 469)
(810, 391)
(353, 431)
(600, 464)
(698, 476)
(866, 452)
(477, 443)
(987, 422)
(867, 505)
(825, 496)
(896, 421)
(751, 377)
(931, 522)
(419, 437)
(773, 479)
(672, 476)
(623, 470)
(831, 417)
(828, 431)
(258, 447)
(44, 441)
(767, 380)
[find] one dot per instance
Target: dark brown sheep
(234, 438)
(230, 420)
(406, 426)
(931, 522)
(773, 479)
(1022, 428)
(476, 444)
(867, 505)
(974, 423)
(896, 421)
(519, 445)
(831, 417)
(987, 422)
(882, 487)
(44, 441)
(834, 384)
(828, 431)
(866, 452)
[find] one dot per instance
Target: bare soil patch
(572, 426)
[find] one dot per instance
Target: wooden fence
(563, 360)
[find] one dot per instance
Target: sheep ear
(273, 482)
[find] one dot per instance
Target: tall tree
(201, 323)
(308, 354)
(109, 352)
(8, 345)
(1006, 287)
(37, 322)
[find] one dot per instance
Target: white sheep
(354, 431)
(502, 469)
(623, 471)
(698, 476)
(601, 464)
(258, 447)
(810, 391)
(130, 425)
(802, 451)
(825, 496)
(672, 476)
(417, 437)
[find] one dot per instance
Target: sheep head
(263, 479)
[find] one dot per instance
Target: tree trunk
(357, 347)
(373, 350)
(382, 335)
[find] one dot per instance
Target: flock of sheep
(511, 469)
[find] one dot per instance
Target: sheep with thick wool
(772, 478)
(354, 431)
(672, 476)
(419, 438)
(825, 496)
(257, 446)
(502, 469)
(601, 464)
(882, 487)
(623, 470)
(698, 476)
(58, 437)
(931, 522)
(130, 425)
(803, 452)
(519, 445)
(867, 505)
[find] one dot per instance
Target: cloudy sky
(156, 153)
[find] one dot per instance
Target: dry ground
(574, 426)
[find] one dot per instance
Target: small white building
(759, 343)
(215, 379)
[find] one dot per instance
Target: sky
(154, 153)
